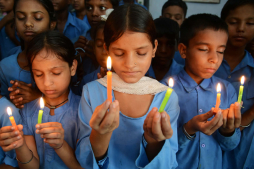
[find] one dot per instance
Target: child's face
(31, 19)
(96, 8)
(78, 5)
(175, 13)
(131, 55)
(51, 74)
(204, 54)
(241, 25)
(61, 5)
(165, 51)
(99, 51)
(6, 5)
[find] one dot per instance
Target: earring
(135, 63)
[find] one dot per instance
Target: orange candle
(11, 118)
(109, 80)
(218, 98)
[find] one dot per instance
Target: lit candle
(167, 95)
(218, 98)
(11, 118)
(109, 80)
(40, 111)
(241, 90)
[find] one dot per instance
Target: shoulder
(226, 86)
(9, 60)
(4, 103)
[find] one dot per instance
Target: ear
(74, 67)
(182, 50)
(52, 25)
(155, 48)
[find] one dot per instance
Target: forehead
(173, 10)
(30, 5)
(97, 2)
(242, 12)
(100, 34)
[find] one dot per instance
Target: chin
(130, 79)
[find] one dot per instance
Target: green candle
(241, 90)
(40, 111)
(167, 95)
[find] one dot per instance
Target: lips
(239, 38)
(49, 92)
(210, 70)
(29, 33)
(130, 73)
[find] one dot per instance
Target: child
(202, 137)
(50, 144)
(175, 10)
(31, 18)
(8, 36)
(163, 64)
(80, 10)
(68, 24)
(136, 142)
(250, 48)
(121, 2)
(7, 159)
(239, 16)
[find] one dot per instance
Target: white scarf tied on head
(108, 12)
(144, 86)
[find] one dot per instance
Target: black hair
(179, 3)
(47, 4)
(167, 27)
(195, 23)
(132, 18)
(115, 3)
(232, 5)
(60, 45)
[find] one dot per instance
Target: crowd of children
(53, 59)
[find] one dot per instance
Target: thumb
(207, 115)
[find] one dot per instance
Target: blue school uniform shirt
(5, 43)
(8, 158)
(122, 3)
(67, 115)
(84, 19)
(174, 69)
(75, 27)
(178, 58)
(126, 149)
(203, 151)
(243, 155)
(10, 70)
(15, 50)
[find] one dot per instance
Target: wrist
(226, 132)
(189, 129)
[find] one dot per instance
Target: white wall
(193, 7)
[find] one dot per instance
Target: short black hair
(195, 23)
(115, 3)
(167, 27)
(179, 3)
(232, 5)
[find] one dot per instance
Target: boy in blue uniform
(239, 16)
(202, 137)
(163, 65)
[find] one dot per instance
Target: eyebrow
(32, 12)
(203, 43)
(51, 68)
(142, 47)
(239, 18)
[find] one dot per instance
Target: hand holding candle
(109, 80)
(11, 118)
(218, 98)
(40, 111)
(241, 90)
(167, 95)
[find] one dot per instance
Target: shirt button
(197, 87)
(229, 76)
(203, 145)
(200, 110)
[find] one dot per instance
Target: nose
(29, 23)
(48, 81)
(104, 52)
(241, 27)
(95, 12)
(129, 61)
(213, 57)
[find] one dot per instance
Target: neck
(62, 16)
(57, 101)
(80, 14)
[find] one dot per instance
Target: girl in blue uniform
(128, 132)
(50, 144)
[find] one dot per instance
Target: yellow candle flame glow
(242, 80)
(9, 111)
(171, 82)
(109, 63)
(218, 88)
(41, 103)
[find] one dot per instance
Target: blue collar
(189, 84)
(71, 21)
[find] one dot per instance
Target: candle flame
(9, 111)
(109, 63)
(41, 103)
(242, 80)
(171, 82)
(218, 88)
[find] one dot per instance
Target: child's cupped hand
(10, 138)
(157, 126)
(52, 132)
(231, 119)
(103, 72)
(22, 93)
(201, 123)
(85, 44)
(105, 118)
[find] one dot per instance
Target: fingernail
(14, 145)
(12, 128)
(18, 137)
(37, 131)
(44, 140)
(163, 116)
(113, 105)
(37, 126)
(107, 103)
(16, 133)
(157, 115)
(237, 104)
